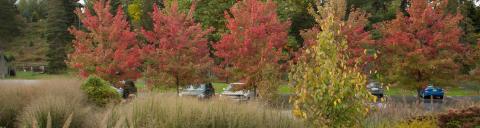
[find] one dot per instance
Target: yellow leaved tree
(328, 92)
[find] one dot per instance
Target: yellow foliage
(135, 11)
(329, 93)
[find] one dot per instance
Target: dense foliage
(33, 10)
(328, 92)
(9, 23)
(60, 18)
(254, 42)
(108, 49)
(99, 91)
(464, 118)
(421, 48)
(353, 30)
(177, 47)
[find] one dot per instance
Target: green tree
(60, 18)
(380, 10)
(32, 10)
(297, 12)
(471, 20)
(8, 22)
(139, 12)
(328, 92)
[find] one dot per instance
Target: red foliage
(358, 39)
(256, 37)
(177, 45)
(107, 48)
(423, 45)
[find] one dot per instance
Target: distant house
(4, 72)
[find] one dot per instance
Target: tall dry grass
(59, 103)
(22, 99)
(54, 111)
(168, 111)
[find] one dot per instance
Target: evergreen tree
(60, 18)
(8, 24)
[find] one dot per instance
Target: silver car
(200, 91)
(239, 95)
(375, 89)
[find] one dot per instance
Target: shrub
(426, 123)
(99, 91)
(465, 118)
(167, 111)
(54, 111)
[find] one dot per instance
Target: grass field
(36, 75)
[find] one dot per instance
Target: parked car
(239, 95)
(200, 91)
(375, 89)
(431, 92)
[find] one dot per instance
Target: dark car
(200, 91)
(432, 92)
(376, 89)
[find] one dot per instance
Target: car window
(202, 86)
(229, 87)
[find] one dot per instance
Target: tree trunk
(177, 82)
(418, 81)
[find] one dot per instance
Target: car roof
(237, 83)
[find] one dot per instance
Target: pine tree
(8, 24)
(60, 17)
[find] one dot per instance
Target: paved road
(448, 99)
(19, 82)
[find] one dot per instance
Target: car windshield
(231, 86)
(373, 85)
(195, 87)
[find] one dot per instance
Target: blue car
(432, 92)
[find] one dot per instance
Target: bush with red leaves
(464, 118)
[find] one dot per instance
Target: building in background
(4, 70)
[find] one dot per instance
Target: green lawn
(30, 75)
(219, 87)
(35, 75)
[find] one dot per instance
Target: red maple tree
(177, 46)
(353, 30)
(107, 48)
(255, 40)
(421, 48)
